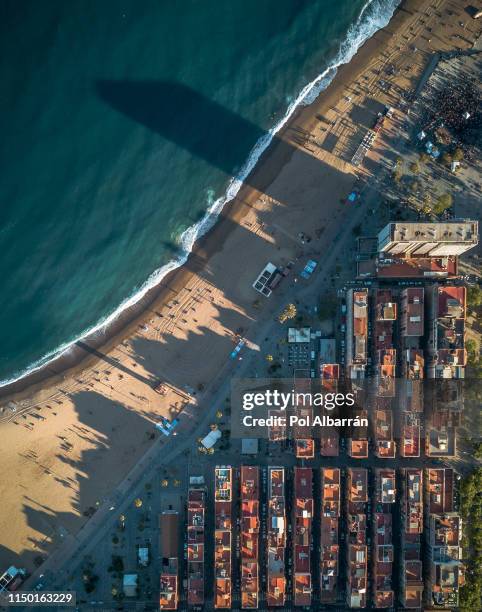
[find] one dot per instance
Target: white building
(410, 240)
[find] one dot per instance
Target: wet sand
(71, 432)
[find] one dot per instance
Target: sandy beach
(71, 432)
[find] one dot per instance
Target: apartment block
(330, 549)
(413, 364)
(385, 447)
(385, 315)
(411, 584)
(304, 443)
(439, 490)
(357, 485)
(358, 439)
(385, 486)
(412, 510)
(446, 327)
(302, 533)
(382, 560)
(356, 555)
(277, 433)
(276, 538)
(356, 333)
(329, 436)
(223, 487)
(427, 240)
(446, 574)
(169, 545)
(196, 510)
(386, 372)
(412, 312)
(410, 439)
(411, 581)
(249, 536)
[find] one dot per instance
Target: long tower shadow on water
(203, 127)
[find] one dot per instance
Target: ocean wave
(374, 15)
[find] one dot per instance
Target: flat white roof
(211, 439)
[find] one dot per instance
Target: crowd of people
(456, 107)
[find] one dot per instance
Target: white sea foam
(374, 15)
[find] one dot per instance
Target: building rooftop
(302, 589)
(385, 446)
(329, 442)
(383, 559)
(195, 545)
(385, 306)
(413, 571)
(222, 593)
(327, 350)
(418, 268)
(168, 524)
(329, 560)
(357, 575)
(357, 484)
(303, 514)
(446, 530)
(412, 311)
(384, 599)
(440, 442)
(222, 536)
(429, 237)
(410, 442)
(303, 483)
(168, 592)
(414, 364)
(451, 302)
(276, 538)
(305, 447)
(278, 432)
(357, 525)
(222, 483)
(383, 535)
(413, 500)
(249, 535)
(414, 395)
(329, 372)
(386, 488)
(358, 449)
(440, 490)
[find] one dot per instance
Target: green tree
(397, 175)
(447, 159)
(474, 296)
(414, 186)
(288, 313)
(443, 202)
(458, 155)
(414, 167)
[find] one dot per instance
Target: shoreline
(75, 438)
(106, 335)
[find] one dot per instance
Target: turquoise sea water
(122, 124)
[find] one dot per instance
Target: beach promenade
(75, 444)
